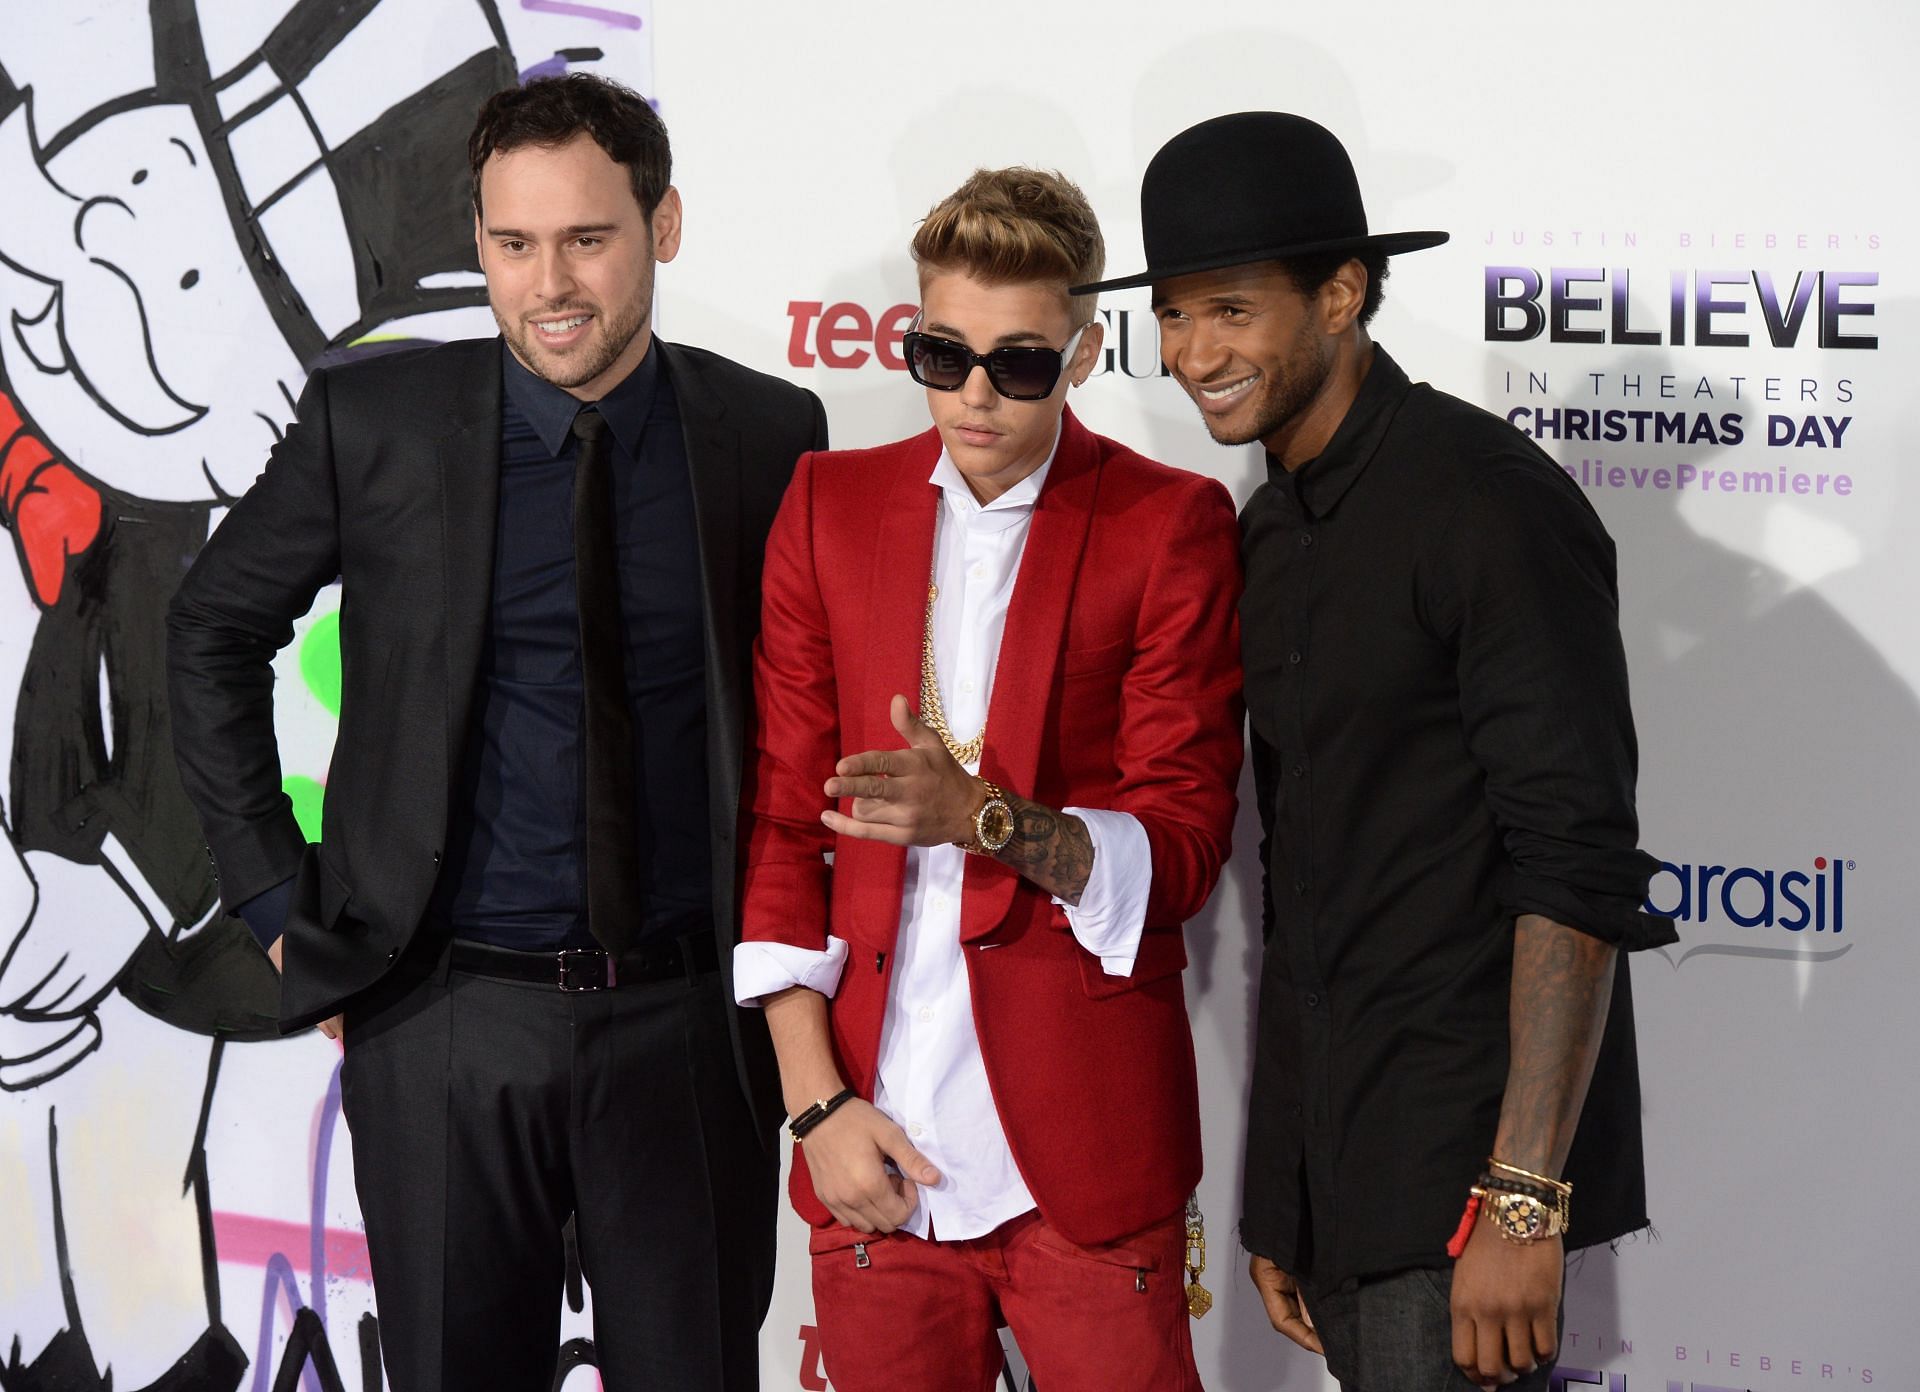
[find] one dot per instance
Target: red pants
(898, 1314)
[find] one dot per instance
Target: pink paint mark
(246, 1240)
(598, 13)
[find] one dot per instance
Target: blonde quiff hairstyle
(1014, 226)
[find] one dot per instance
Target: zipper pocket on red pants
(838, 1238)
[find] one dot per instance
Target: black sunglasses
(1019, 374)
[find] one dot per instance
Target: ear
(1342, 298)
(1087, 356)
(666, 226)
(479, 241)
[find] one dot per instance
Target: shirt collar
(550, 410)
(1018, 499)
(1320, 483)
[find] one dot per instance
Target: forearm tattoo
(1050, 848)
(1562, 986)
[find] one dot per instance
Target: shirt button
(1306, 538)
(915, 1129)
(967, 687)
(979, 572)
(1294, 657)
(1312, 1000)
(926, 1014)
(1299, 770)
(1299, 886)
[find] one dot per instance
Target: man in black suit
(522, 908)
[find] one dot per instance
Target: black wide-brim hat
(1253, 186)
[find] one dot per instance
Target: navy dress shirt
(515, 870)
(515, 873)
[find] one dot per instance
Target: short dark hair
(1308, 273)
(550, 111)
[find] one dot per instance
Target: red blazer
(1117, 686)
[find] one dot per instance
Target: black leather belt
(591, 968)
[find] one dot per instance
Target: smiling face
(1254, 352)
(993, 441)
(569, 257)
(132, 332)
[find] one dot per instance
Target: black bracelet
(818, 1113)
(1509, 1184)
(1491, 1182)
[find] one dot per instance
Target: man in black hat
(1445, 760)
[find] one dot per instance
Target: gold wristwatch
(992, 824)
(1522, 1217)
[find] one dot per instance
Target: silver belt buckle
(572, 958)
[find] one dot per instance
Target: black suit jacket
(390, 482)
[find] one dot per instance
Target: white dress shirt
(931, 1078)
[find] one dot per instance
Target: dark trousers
(485, 1112)
(1395, 1334)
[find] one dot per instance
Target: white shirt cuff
(1112, 911)
(761, 968)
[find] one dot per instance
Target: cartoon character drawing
(185, 238)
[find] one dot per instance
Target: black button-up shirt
(1442, 741)
(515, 874)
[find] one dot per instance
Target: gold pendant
(1199, 1298)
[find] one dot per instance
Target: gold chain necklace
(931, 709)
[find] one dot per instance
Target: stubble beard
(1286, 393)
(613, 334)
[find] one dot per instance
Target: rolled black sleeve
(1525, 581)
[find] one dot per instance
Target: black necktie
(614, 887)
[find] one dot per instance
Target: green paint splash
(307, 796)
(320, 670)
(320, 661)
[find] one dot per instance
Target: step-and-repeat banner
(1678, 242)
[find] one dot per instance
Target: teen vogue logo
(848, 336)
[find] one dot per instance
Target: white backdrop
(1753, 156)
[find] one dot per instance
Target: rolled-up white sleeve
(1112, 911)
(761, 968)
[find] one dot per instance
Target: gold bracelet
(1559, 1186)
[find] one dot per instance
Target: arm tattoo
(1050, 848)
(1562, 986)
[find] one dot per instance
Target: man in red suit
(967, 938)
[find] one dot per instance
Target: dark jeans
(1395, 1334)
(485, 1112)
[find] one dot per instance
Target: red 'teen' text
(841, 335)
